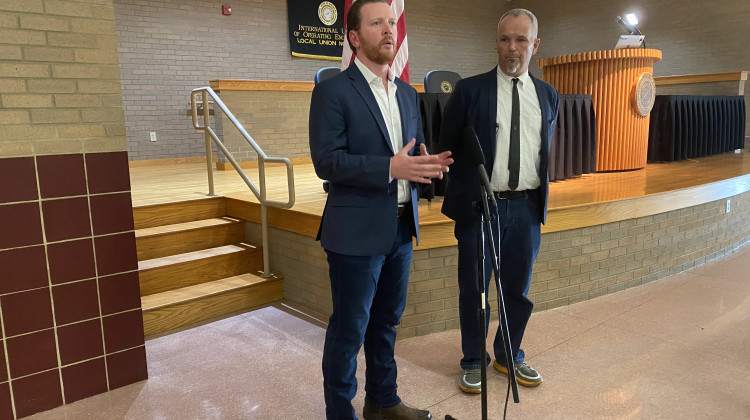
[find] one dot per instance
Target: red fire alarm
(226, 9)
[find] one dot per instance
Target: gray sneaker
(470, 381)
(525, 374)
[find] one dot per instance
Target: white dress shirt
(388, 105)
(530, 131)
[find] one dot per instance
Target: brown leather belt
(511, 195)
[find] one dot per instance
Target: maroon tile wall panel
(84, 380)
(80, 341)
(111, 213)
(108, 172)
(127, 367)
(75, 302)
(21, 225)
(6, 409)
(69, 261)
(3, 367)
(31, 353)
(119, 293)
(61, 175)
(23, 269)
(71, 216)
(116, 254)
(18, 177)
(123, 331)
(37, 393)
(26, 311)
(66, 219)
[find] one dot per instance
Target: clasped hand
(419, 168)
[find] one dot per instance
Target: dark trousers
(369, 296)
(519, 238)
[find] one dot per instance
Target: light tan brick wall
(59, 78)
(277, 121)
(581, 264)
(572, 266)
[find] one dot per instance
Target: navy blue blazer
(350, 147)
(474, 103)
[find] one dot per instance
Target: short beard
(378, 56)
(511, 66)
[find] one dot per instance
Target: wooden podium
(622, 87)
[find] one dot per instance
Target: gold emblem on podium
(644, 94)
(446, 87)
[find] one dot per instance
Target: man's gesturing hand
(419, 168)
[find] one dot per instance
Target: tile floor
(677, 348)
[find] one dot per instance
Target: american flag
(400, 63)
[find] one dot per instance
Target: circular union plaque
(446, 87)
(644, 94)
(327, 13)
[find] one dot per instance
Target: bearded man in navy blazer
(366, 140)
(495, 104)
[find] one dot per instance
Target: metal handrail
(260, 193)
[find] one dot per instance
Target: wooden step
(161, 241)
(176, 308)
(178, 212)
(177, 271)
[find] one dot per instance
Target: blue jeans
(519, 238)
(369, 296)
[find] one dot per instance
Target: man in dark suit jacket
(365, 128)
(485, 103)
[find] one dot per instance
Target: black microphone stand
(485, 221)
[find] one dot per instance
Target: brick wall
(694, 37)
(166, 48)
(277, 121)
(69, 299)
(572, 266)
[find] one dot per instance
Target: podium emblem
(446, 87)
(644, 94)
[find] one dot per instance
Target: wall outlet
(729, 204)
(153, 135)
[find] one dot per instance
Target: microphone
(476, 157)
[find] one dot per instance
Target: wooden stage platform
(592, 199)
(605, 232)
